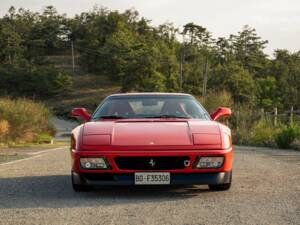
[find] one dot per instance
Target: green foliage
(263, 133)
(129, 50)
(267, 92)
(43, 138)
(237, 81)
(10, 45)
(286, 69)
(25, 38)
(287, 136)
(24, 120)
(216, 99)
(39, 81)
(241, 122)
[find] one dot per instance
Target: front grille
(151, 163)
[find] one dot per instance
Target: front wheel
(221, 187)
(79, 187)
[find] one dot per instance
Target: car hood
(151, 133)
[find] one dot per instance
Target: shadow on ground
(56, 192)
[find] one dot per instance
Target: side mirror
(220, 112)
(81, 113)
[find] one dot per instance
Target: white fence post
(275, 116)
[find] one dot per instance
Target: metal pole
(205, 78)
(73, 60)
(181, 68)
(182, 55)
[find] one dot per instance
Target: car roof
(149, 94)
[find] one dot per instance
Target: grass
(22, 120)
(88, 89)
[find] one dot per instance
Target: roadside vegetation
(116, 51)
(257, 127)
(23, 121)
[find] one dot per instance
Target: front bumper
(111, 156)
(113, 179)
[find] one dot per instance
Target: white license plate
(152, 178)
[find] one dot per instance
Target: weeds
(22, 120)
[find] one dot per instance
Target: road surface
(266, 190)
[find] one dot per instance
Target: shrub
(263, 133)
(216, 99)
(4, 129)
(287, 136)
(242, 123)
(30, 80)
(26, 119)
(43, 138)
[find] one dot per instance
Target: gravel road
(266, 190)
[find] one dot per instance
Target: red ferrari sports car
(151, 139)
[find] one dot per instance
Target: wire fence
(291, 116)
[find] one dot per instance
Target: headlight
(93, 163)
(213, 162)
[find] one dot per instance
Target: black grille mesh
(151, 163)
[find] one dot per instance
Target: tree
(268, 95)
(10, 45)
(197, 34)
(286, 70)
(248, 49)
(236, 80)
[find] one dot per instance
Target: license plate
(152, 178)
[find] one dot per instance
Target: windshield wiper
(110, 117)
(170, 116)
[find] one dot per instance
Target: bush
(30, 80)
(263, 133)
(4, 129)
(287, 136)
(25, 119)
(43, 138)
(215, 99)
(241, 123)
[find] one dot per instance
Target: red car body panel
(151, 137)
(102, 139)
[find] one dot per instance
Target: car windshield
(121, 107)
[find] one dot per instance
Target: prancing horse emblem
(152, 163)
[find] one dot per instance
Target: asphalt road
(266, 190)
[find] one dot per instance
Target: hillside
(87, 91)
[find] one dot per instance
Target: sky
(277, 21)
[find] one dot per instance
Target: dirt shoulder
(17, 153)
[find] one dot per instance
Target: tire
(220, 187)
(80, 187)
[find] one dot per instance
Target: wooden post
(291, 115)
(237, 124)
(275, 116)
